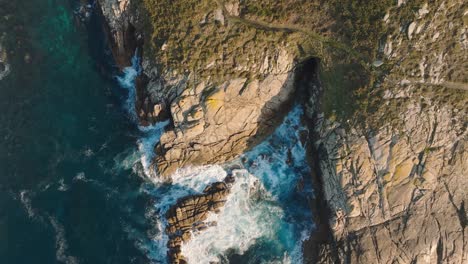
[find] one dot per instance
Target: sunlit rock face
(392, 188)
(216, 123)
(189, 215)
(395, 183)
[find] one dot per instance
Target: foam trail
(127, 81)
(147, 143)
(26, 201)
(61, 243)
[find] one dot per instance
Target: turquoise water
(74, 167)
(64, 196)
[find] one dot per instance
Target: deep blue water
(63, 195)
(72, 189)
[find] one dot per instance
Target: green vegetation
(195, 36)
(340, 84)
(192, 37)
(211, 41)
(360, 22)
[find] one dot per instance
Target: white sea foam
(127, 81)
(80, 176)
(185, 182)
(189, 181)
(62, 186)
(61, 243)
(150, 134)
(259, 208)
(146, 145)
(6, 71)
(240, 223)
(26, 201)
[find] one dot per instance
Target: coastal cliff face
(395, 181)
(390, 144)
(225, 84)
(215, 126)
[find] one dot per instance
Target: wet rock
(189, 214)
(148, 109)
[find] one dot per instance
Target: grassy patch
(360, 22)
(341, 83)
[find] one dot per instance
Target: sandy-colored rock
(216, 126)
(397, 189)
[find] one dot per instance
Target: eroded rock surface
(399, 195)
(396, 182)
(216, 123)
(189, 214)
(120, 30)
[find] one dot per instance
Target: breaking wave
(127, 81)
(265, 205)
(266, 217)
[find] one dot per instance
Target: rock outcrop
(398, 195)
(188, 215)
(223, 83)
(121, 33)
(213, 124)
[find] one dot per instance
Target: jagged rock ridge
(188, 215)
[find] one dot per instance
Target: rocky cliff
(389, 117)
(395, 179)
(224, 84)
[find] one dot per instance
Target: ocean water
(76, 180)
(65, 196)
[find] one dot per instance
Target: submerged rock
(4, 66)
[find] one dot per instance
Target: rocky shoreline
(188, 215)
(378, 175)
